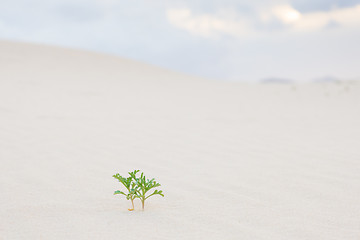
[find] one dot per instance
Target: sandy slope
(236, 161)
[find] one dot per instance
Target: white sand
(236, 161)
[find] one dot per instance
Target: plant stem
(132, 202)
(143, 203)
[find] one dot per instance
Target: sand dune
(236, 161)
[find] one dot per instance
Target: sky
(298, 40)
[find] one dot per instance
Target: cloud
(306, 6)
(347, 16)
(286, 13)
(292, 20)
(206, 25)
(317, 20)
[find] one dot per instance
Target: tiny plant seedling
(144, 185)
(130, 185)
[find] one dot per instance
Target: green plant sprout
(137, 187)
(143, 186)
(130, 185)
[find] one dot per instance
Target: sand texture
(235, 160)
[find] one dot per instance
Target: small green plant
(130, 185)
(144, 185)
(137, 187)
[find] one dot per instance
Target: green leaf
(119, 192)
